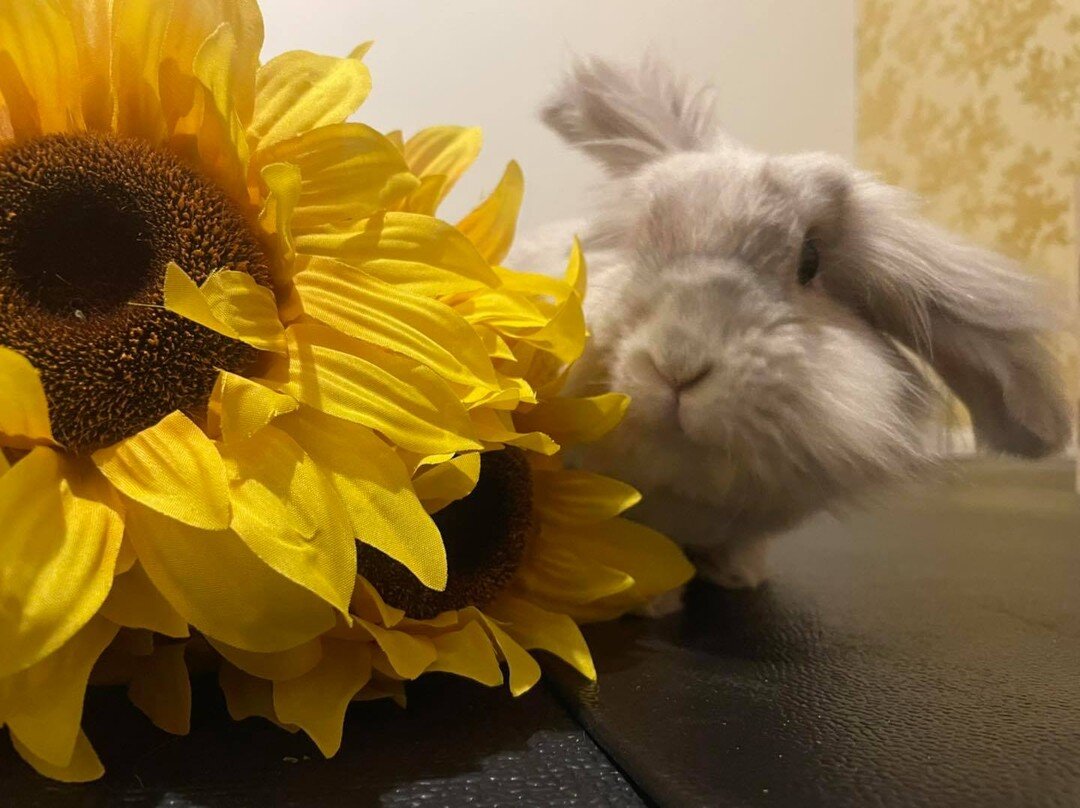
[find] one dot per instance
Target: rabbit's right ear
(972, 315)
(627, 118)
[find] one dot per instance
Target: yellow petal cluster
(395, 350)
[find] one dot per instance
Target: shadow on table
(456, 742)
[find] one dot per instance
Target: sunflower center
(88, 224)
(485, 536)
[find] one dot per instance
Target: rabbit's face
(737, 360)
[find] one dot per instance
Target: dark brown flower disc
(485, 536)
(88, 224)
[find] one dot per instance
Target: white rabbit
(770, 316)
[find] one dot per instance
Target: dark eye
(808, 262)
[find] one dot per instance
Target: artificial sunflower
(235, 347)
(533, 548)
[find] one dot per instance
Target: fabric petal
(284, 185)
(44, 703)
(409, 656)
(443, 151)
(230, 303)
(496, 426)
(558, 575)
(83, 767)
(349, 172)
(467, 652)
(246, 406)
(537, 628)
(222, 588)
(247, 696)
(358, 382)
(415, 253)
(300, 91)
(448, 482)
(317, 700)
(492, 224)
(656, 563)
(575, 420)
(572, 497)
(39, 71)
(288, 513)
(161, 688)
(133, 602)
(24, 412)
(57, 558)
(418, 327)
(376, 491)
(172, 468)
(139, 29)
(287, 664)
(524, 670)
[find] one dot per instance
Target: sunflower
(243, 362)
(533, 548)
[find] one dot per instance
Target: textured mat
(457, 744)
(923, 653)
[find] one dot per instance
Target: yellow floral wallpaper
(975, 105)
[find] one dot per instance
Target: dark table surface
(922, 651)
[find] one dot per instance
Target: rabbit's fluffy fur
(758, 399)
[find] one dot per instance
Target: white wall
(784, 70)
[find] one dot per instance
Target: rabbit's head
(771, 316)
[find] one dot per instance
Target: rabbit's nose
(682, 378)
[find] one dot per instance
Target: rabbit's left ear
(977, 319)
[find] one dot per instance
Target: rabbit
(774, 320)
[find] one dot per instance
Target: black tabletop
(924, 650)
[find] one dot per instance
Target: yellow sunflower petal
(557, 574)
(44, 703)
(299, 91)
(448, 482)
(492, 224)
(287, 664)
(57, 557)
(443, 151)
(576, 272)
(417, 327)
(24, 412)
(39, 71)
(172, 468)
(524, 670)
(229, 303)
(496, 427)
(246, 308)
(222, 588)
(574, 497)
(317, 700)
(537, 628)
(83, 767)
(656, 564)
(92, 19)
(248, 696)
(139, 29)
(415, 253)
(361, 383)
(408, 655)
(246, 406)
(575, 420)
(288, 513)
(376, 491)
(349, 172)
(467, 652)
(283, 188)
(161, 688)
(133, 602)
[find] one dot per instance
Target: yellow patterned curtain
(975, 105)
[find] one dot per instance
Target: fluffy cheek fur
(790, 417)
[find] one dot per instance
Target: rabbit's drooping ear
(975, 318)
(626, 118)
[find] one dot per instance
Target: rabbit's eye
(808, 262)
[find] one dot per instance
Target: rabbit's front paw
(742, 566)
